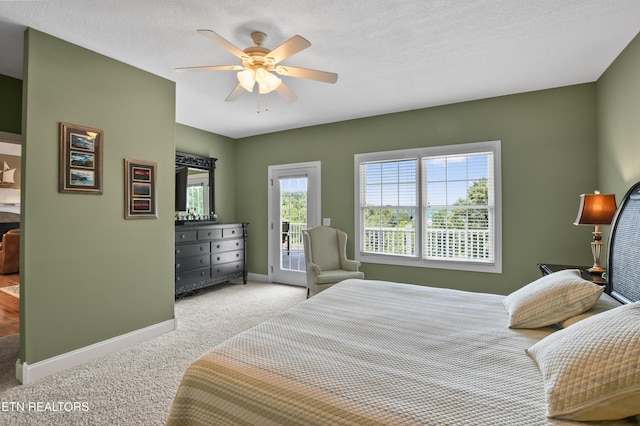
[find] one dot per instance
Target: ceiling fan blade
(222, 42)
(235, 93)
(211, 68)
(284, 91)
(327, 77)
(289, 48)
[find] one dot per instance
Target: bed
(559, 351)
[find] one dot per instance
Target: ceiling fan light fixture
(247, 79)
(267, 82)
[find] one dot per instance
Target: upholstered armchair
(10, 252)
(325, 252)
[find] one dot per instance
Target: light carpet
(136, 386)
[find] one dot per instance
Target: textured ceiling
(390, 55)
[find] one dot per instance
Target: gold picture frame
(141, 201)
(80, 159)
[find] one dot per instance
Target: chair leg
(308, 293)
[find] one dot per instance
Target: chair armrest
(350, 265)
(312, 267)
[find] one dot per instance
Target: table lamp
(596, 209)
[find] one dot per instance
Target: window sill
(494, 268)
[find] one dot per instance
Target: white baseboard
(258, 277)
(269, 279)
(26, 373)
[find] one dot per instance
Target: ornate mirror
(195, 187)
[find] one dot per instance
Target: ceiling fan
(259, 65)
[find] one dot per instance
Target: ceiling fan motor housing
(258, 37)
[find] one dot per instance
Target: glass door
(294, 207)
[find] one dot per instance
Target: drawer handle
(209, 233)
(201, 248)
(177, 278)
(218, 246)
(218, 270)
(218, 258)
(183, 236)
(233, 232)
(201, 260)
(237, 254)
(237, 244)
(177, 266)
(177, 251)
(202, 274)
(237, 266)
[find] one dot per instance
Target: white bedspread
(372, 352)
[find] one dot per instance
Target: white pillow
(591, 370)
(604, 303)
(551, 299)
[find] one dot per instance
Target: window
(197, 192)
(195, 199)
(433, 207)
(389, 206)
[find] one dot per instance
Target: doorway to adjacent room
(9, 305)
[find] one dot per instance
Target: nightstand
(549, 268)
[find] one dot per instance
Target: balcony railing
(472, 244)
(292, 235)
(390, 241)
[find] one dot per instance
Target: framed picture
(140, 191)
(80, 159)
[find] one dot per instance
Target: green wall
(548, 140)
(88, 274)
(11, 105)
(195, 141)
(618, 154)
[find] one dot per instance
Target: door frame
(275, 234)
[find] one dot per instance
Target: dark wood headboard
(623, 274)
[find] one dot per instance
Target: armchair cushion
(337, 275)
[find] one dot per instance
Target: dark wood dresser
(209, 254)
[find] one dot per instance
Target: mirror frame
(195, 161)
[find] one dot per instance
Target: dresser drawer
(193, 262)
(192, 249)
(229, 256)
(185, 236)
(227, 268)
(194, 276)
(232, 232)
(209, 234)
(226, 245)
